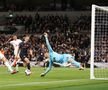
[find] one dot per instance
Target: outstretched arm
(47, 42)
(48, 69)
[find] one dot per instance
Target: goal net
(99, 43)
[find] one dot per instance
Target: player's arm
(8, 41)
(47, 42)
(48, 69)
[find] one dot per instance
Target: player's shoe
(27, 72)
(14, 72)
(17, 71)
(42, 75)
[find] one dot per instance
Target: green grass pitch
(57, 79)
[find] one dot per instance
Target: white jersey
(15, 44)
(1, 56)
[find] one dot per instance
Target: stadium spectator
(82, 23)
(60, 42)
(40, 24)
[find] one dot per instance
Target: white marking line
(7, 72)
(41, 83)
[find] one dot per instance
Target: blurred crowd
(64, 36)
(101, 47)
(51, 23)
(77, 44)
(82, 23)
(42, 6)
(39, 24)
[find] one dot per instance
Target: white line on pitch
(36, 83)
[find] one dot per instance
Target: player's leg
(76, 64)
(15, 62)
(2, 57)
(70, 59)
(27, 62)
(15, 59)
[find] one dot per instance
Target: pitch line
(41, 83)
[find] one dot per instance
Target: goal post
(99, 43)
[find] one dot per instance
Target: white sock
(17, 67)
(8, 66)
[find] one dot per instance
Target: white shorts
(1, 56)
(16, 54)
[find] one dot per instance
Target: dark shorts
(23, 56)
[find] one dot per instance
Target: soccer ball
(27, 72)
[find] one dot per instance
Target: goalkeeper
(61, 59)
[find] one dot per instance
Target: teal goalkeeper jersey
(55, 57)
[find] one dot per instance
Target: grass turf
(57, 79)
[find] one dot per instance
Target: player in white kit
(15, 42)
(3, 58)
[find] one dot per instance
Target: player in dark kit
(25, 49)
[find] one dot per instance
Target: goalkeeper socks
(8, 66)
(28, 66)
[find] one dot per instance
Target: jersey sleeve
(1, 55)
(48, 44)
(20, 41)
(11, 42)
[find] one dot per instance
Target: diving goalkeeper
(61, 59)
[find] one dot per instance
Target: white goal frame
(92, 76)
